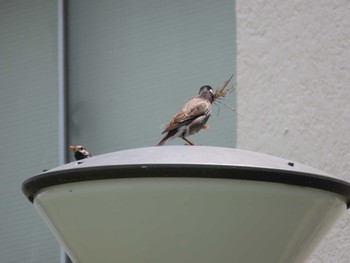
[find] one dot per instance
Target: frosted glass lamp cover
(187, 204)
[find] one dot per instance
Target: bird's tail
(163, 141)
(166, 138)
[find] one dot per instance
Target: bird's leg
(189, 143)
(206, 127)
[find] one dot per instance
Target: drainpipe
(62, 96)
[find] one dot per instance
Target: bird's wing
(191, 110)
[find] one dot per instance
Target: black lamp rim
(33, 185)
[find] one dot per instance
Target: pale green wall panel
(28, 124)
(133, 64)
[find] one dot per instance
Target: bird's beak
(73, 147)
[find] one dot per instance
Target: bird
(80, 152)
(191, 118)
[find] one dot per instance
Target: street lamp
(187, 204)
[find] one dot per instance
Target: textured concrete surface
(293, 90)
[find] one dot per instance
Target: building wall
(133, 64)
(293, 89)
(28, 124)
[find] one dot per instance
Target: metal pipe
(62, 95)
(62, 83)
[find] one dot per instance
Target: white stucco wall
(294, 91)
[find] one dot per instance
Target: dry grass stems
(222, 91)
